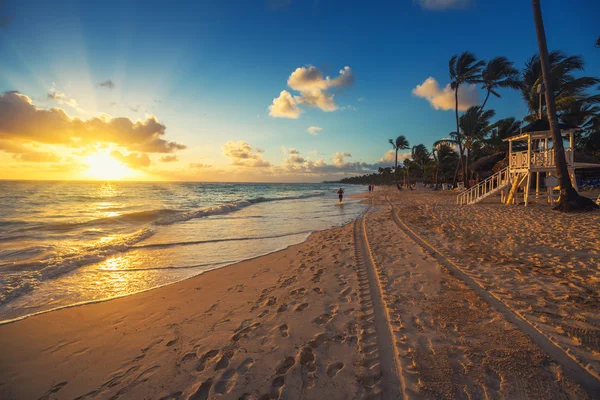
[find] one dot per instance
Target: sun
(102, 166)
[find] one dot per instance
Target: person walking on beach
(340, 195)
(369, 188)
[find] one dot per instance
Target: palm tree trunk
(396, 169)
(569, 198)
(485, 101)
(458, 134)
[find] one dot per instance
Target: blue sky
(209, 70)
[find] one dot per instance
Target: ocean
(67, 243)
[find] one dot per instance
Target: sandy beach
(362, 311)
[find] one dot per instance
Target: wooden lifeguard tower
(530, 153)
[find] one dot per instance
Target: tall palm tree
(464, 69)
(399, 144)
(499, 73)
(569, 198)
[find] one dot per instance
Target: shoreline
(306, 322)
(83, 303)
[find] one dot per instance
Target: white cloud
(62, 98)
(242, 154)
(314, 130)
(442, 4)
(315, 91)
(443, 99)
(285, 106)
(390, 157)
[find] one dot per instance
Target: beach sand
(360, 311)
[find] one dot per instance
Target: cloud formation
(314, 130)
(241, 154)
(443, 99)
(442, 4)
(341, 164)
(285, 106)
(199, 165)
(132, 160)
(315, 91)
(22, 122)
(107, 84)
(62, 98)
(169, 158)
(390, 157)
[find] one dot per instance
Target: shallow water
(63, 243)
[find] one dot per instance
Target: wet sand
(356, 312)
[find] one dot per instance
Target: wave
(226, 208)
(162, 216)
(20, 278)
(193, 242)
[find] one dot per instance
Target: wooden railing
(484, 188)
(539, 159)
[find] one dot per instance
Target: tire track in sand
(377, 316)
(589, 381)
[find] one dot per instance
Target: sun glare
(103, 166)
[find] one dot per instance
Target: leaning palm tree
(464, 69)
(569, 198)
(399, 144)
(499, 73)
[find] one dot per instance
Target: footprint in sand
(225, 383)
(242, 333)
(322, 319)
(276, 386)
(301, 307)
(282, 308)
(262, 314)
(224, 361)
(334, 368)
(202, 392)
(318, 340)
(206, 357)
(318, 290)
(298, 292)
(283, 329)
(285, 366)
(245, 366)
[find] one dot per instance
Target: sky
(250, 90)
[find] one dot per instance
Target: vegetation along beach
(284, 199)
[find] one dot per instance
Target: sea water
(66, 243)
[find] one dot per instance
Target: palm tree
(474, 126)
(420, 155)
(464, 69)
(502, 129)
(499, 73)
(399, 144)
(567, 88)
(569, 198)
